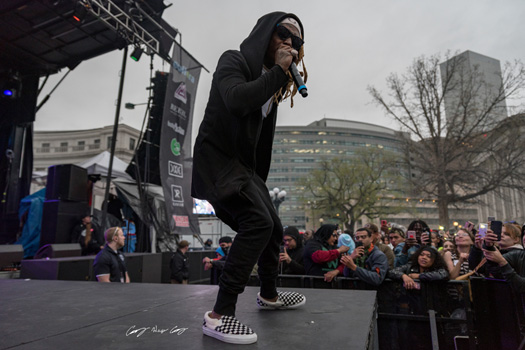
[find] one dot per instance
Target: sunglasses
(284, 33)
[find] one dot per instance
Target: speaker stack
(65, 204)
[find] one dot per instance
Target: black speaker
(144, 267)
(58, 251)
(67, 182)
(65, 269)
(58, 220)
(11, 254)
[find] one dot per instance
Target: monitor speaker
(58, 220)
(11, 254)
(58, 251)
(67, 182)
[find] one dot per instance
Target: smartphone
(469, 225)
(482, 229)
(282, 249)
(411, 234)
(496, 226)
(358, 244)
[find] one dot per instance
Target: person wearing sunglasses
(231, 162)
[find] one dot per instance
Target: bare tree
(471, 150)
(363, 185)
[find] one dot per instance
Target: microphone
(298, 80)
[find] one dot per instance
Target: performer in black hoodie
(231, 161)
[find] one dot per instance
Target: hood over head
(293, 232)
(324, 232)
(255, 45)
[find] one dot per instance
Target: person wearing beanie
(291, 258)
(231, 161)
(179, 264)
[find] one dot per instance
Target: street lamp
(277, 198)
(130, 105)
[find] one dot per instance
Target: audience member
(412, 244)
(320, 257)
(208, 244)
(510, 265)
(179, 264)
(436, 240)
(376, 240)
(130, 232)
(291, 259)
(458, 265)
(397, 239)
(426, 264)
(308, 235)
(366, 262)
(110, 264)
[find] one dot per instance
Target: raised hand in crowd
(425, 238)
(358, 252)
(330, 275)
(495, 256)
(284, 257)
(343, 249)
(348, 261)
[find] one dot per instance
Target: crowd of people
(412, 254)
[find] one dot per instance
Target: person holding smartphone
(418, 234)
(509, 266)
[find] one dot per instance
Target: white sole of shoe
(230, 338)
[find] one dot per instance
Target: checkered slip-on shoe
(228, 329)
(285, 300)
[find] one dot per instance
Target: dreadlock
(290, 89)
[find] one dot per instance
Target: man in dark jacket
(231, 161)
(292, 257)
(179, 264)
(366, 262)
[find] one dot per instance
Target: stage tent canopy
(99, 164)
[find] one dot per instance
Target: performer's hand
(284, 56)
(206, 260)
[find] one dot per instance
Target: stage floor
(37, 314)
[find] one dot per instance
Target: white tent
(99, 164)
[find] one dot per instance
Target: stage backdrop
(175, 142)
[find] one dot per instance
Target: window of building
(80, 146)
(131, 143)
(63, 147)
(45, 147)
(110, 138)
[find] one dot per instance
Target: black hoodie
(234, 141)
(296, 266)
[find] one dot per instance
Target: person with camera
(418, 234)
(506, 241)
(510, 266)
(320, 257)
(366, 262)
(291, 258)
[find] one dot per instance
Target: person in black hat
(291, 258)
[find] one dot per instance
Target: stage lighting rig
(80, 12)
(11, 86)
(135, 55)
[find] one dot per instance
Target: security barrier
(480, 314)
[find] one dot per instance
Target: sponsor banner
(175, 142)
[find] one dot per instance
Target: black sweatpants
(259, 235)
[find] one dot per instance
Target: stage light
(135, 56)
(10, 86)
(80, 12)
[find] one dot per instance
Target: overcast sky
(349, 45)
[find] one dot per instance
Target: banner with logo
(175, 142)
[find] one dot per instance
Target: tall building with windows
(298, 149)
(74, 146)
(482, 74)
